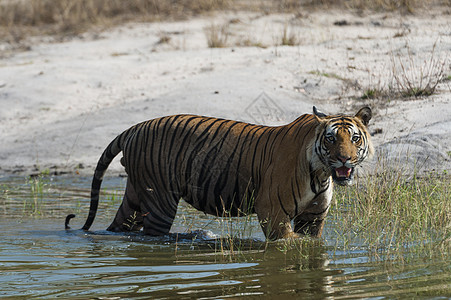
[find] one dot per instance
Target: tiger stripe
(230, 168)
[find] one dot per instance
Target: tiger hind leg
(128, 216)
(159, 211)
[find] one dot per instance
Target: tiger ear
(319, 115)
(364, 114)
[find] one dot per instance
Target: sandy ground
(63, 102)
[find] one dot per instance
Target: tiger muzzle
(343, 175)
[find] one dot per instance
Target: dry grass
(289, 37)
(19, 19)
(22, 18)
(414, 80)
(403, 6)
(411, 76)
(406, 6)
(217, 35)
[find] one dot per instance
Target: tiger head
(342, 143)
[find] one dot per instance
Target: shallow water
(38, 258)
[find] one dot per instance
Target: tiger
(284, 174)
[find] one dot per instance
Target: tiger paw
(291, 235)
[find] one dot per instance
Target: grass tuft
(410, 79)
(288, 37)
(372, 93)
(38, 186)
(413, 80)
(395, 217)
(217, 35)
(390, 216)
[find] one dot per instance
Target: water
(39, 259)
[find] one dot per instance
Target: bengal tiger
(229, 168)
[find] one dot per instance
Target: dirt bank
(62, 103)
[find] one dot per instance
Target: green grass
(374, 93)
(34, 204)
(45, 196)
(395, 217)
(329, 75)
(390, 216)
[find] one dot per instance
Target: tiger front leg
(276, 228)
(311, 222)
(275, 223)
(308, 225)
(128, 216)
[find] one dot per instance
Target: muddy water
(39, 259)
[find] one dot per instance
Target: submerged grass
(38, 185)
(389, 216)
(394, 217)
(46, 196)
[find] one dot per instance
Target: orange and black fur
(229, 168)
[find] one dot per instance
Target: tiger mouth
(342, 175)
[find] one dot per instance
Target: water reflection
(40, 259)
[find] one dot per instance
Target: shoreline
(66, 101)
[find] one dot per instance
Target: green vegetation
(45, 196)
(390, 217)
(38, 185)
(375, 93)
(235, 236)
(110, 201)
(395, 217)
(329, 75)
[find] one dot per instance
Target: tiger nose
(343, 159)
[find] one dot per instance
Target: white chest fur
(309, 201)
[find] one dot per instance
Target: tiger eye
(356, 138)
(330, 138)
